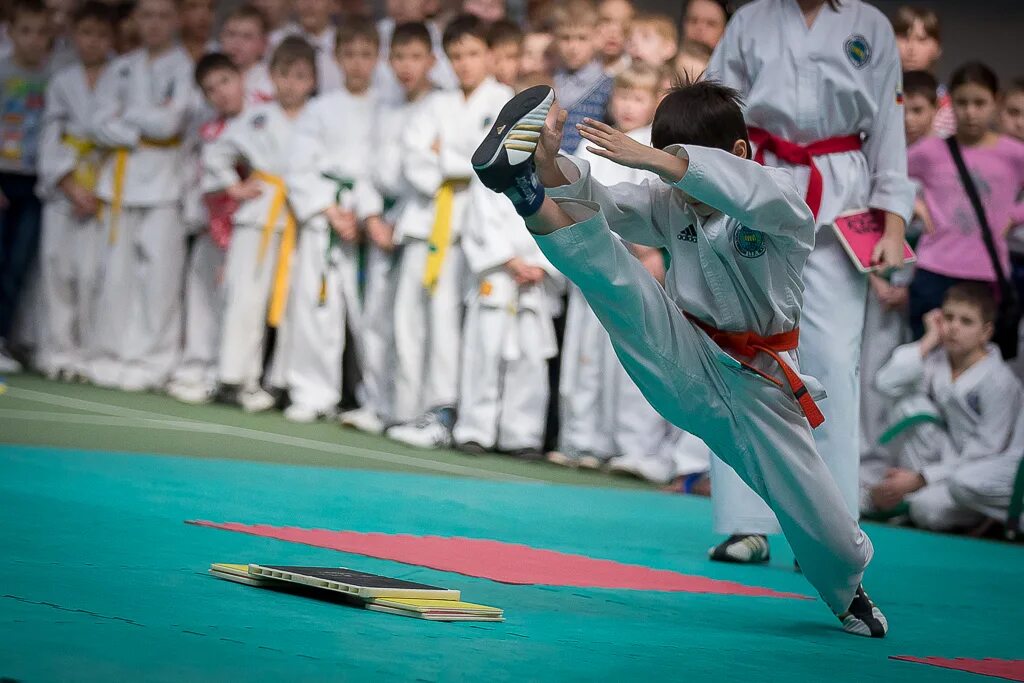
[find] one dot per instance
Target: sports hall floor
(101, 579)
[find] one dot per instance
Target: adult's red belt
(748, 344)
(803, 155)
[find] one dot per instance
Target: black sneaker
(471, 448)
(862, 618)
(742, 549)
(504, 160)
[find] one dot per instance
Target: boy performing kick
(713, 352)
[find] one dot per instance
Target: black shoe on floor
(471, 448)
(862, 618)
(742, 549)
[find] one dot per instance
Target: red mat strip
(1010, 669)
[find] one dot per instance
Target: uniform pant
(830, 347)
(323, 300)
(755, 425)
(428, 332)
(247, 284)
(378, 333)
(19, 239)
(502, 402)
(68, 261)
(204, 304)
(138, 310)
(884, 330)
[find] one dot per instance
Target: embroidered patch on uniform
(974, 402)
(858, 50)
(749, 243)
(486, 288)
(688, 235)
(488, 120)
(259, 121)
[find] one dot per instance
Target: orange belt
(749, 344)
(803, 155)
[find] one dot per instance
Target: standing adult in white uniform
(821, 81)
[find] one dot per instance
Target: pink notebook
(859, 232)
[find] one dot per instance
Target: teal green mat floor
(102, 581)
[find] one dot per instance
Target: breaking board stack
(371, 591)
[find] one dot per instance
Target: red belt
(803, 155)
(748, 344)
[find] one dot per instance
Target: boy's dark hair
(921, 84)
(249, 12)
(976, 73)
(504, 32)
(97, 11)
(977, 294)
(905, 17)
(704, 113)
(1016, 86)
(412, 32)
(354, 29)
(32, 7)
(291, 50)
(462, 26)
(210, 62)
(124, 9)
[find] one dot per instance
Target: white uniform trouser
(138, 310)
(830, 341)
(203, 308)
(317, 324)
(68, 262)
(753, 423)
(378, 333)
(428, 332)
(247, 286)
(502, 402)
(884, 330)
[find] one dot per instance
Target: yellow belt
(120, 169)
(86, 169)
(282, 271)
(441, 233)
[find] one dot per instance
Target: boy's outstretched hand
(547, 150)
(624, 150)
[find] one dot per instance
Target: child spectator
(704, 22)
(257, 271)
(62, 51)
(243, 37)
(487, 11)
(409, 11)
(196, 27)
(143, 102)
(919, 39)
(127, 38)
(614, 20)
(22, 87)
(692, 60)
(581, 85)
(328, 164)
(920, 104)
(954, 250)
(958, 432)
(411, 59)
(280, 24)
(68, 166)
(505, 40)
(439, 142)
(653, 39)
(537, 53)
(1011, 116)
(315, 25)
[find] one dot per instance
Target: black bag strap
(986, 230)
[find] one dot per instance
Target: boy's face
(30, 36)
(704, 22)
(157, 22)
(506, 57)
(93, 40)
(963, 331)
(918, 114)
(358, 59)
(485, 10)
(243, 41)
(60, 15)
(470, 60)
(632, 108)
(575, 45)
(975, 109)
(411, 63)
(197, 19)
(649, 46)
(1011, 118)
(313, 15)
(403, 11)
(294, 83)
(918, 51)
(535, 53)
(276, 11)
(613, 21)
(225, 91)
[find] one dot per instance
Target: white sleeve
(56, 160)
(726, 64)
(387, 171)
(904, 374)
(759, 197)
(218, 159)
(628, 207)
(421, 165)
(486, 229)
(165, 121)
(885, 145)
(309, 192)
(109, 127)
